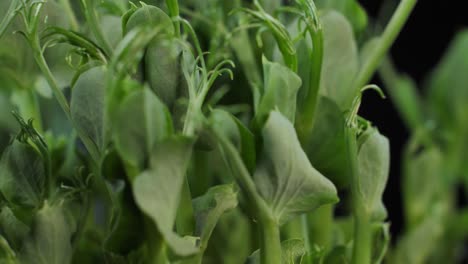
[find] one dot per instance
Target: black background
(416, 52)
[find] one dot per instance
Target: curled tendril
(351, 120)
(265, 22)
(29, 134)
(56, 35)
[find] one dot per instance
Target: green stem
(43, 66)
(41, 62)
(362, 247)
(173, 6)
(362, 244)
(8, 18)
(185, 220)
(307, 115)
(389, 36)
(320, 224)
(305, 236)
(156, 246)
(70, 14)
(89, 11)
(270, 243)
(81, 222)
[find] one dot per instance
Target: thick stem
(185, 220)
(8, 18)
(320, 224)
(89, 11)
(70, 14)
(385, 42)
(173, 6)
(362, 249)
(155, 246)
(42, 64)
(307, 115)
(270, 243)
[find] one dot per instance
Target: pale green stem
(270, 243)
(70, 14)
(385, 42)
(362, 244)
(42, 64)
(270, 248)
(362, 248)
(89, 11)
(173, 6)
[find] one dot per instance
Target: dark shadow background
(417, 50)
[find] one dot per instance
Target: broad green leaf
(237, 133)
(22, 175)
(112, 29)
(209, 208)
(87, 106)
(418, 244)
(280, 91)
(163, 69)
(338, 255)
(423, 184)
(151, 16)
(157, 191)
(8, 16)
(326, 146)
(7, 255)
(374, 167)
(49, 242)
(12, 228)
(163, 54)
(448, 92)
(136, 138)
(340, 60)
(381, 241)
(404, 94)
(237, 226)
(293, 251)
(351, 9)
(284, 176)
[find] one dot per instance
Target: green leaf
(381, 241)
(422, 184)
(284, 176)
(209, 208)
(163, 54)
(157, 191)
(163, 69)
(22, 175)
(136, 138)
(340, 60)
(326, 146)
(112, 29)
(7, 255)
(351, 9)
(49, 242)
(87, 107)
(419, 243)
(448, 93)
(293, 251)
(151, 16)
(374, 167)
(406, 97)
(280, 91)
(12, 228)
(237, 133)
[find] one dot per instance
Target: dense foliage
(212, 131)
